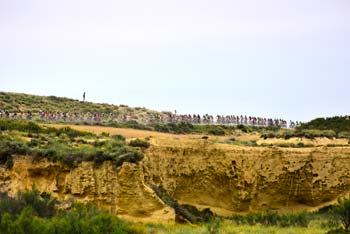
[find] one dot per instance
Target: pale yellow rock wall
(121, 191)
(224, 178)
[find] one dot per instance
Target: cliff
(222, 177)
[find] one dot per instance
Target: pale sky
(271, 58)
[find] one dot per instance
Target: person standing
(84, 97)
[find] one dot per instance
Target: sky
(274, 58)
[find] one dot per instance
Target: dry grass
(171, 139)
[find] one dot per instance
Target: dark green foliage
(216, 130)
(9, 147)
(325, 216)
(184, 212)
(67, 131)
(337, 124)
(242, 127)
(337, 231)
(342, 210)
(139, 143)
(65, 145)
(130, 124)
(19, 125)
(42, 204)
(31, 127)
(105, 134)
(32, 213)
(177, 128)
(118, 137)
(132, 157)
(272, 218)
(309, 134)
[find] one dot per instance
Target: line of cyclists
(149, 118)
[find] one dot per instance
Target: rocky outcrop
(222, 177)
(120, 190)
(240, 179)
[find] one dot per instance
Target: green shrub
(272, 218)
(19, 125)
(67, 146)
(177, 128)
(342, 210)
(216, 132)
(118, 137)
(43, 205)
(242, 128)
(337, 124)
(35, 213)
(337, 231)
(132, 157)
(344, 134)
(268, 135)
(9, 147)
(105, 134)
(139, 143)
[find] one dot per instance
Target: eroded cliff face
(239, 179)
(120, 190)
(224, 178)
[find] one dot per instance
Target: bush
(344, 134)
(132, 157)
(242, 128)
(139, 143)
(337, 124)
(9, 147)
(118, 137)
(62, 145)
(19, 125)
(342, 210)
(105, 134)
(272, 218)
(217, 132)
(31, 213)
(177, 128)
(42, 204)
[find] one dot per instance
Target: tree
(342, 210)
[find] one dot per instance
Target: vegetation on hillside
(340, 125)
(34, 213)
(333, 127)
(65, 145)
(18, 102)
(15, 102)
(342, 210)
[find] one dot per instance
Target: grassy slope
(25, 102)
(336, 127)
(337, 124)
